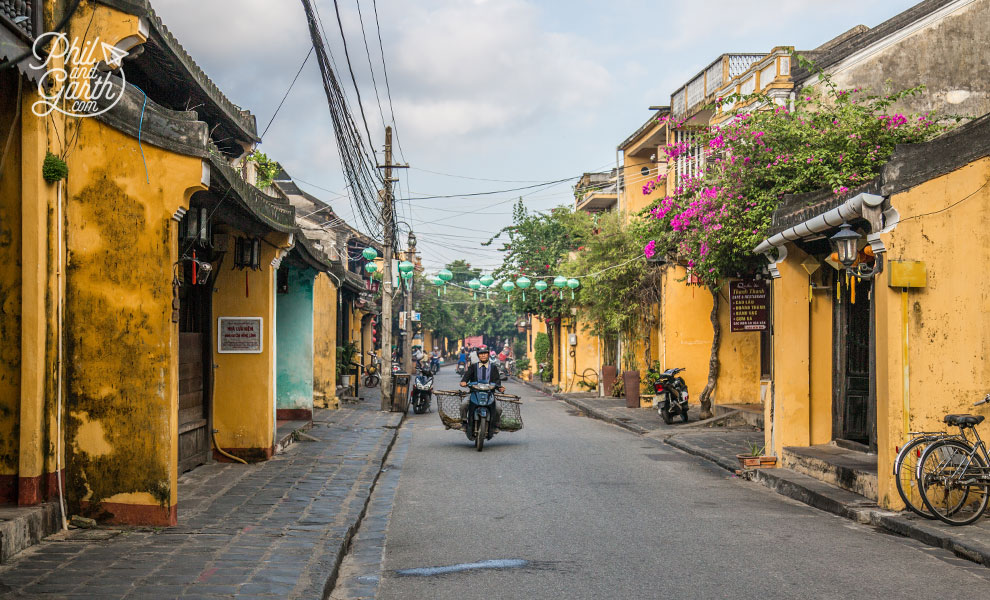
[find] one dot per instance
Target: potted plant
(630, 378)
(345, 355)
(755, 459)
(609, 374)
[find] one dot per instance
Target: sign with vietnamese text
(749, 305)
(239, 335)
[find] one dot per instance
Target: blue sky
(506, 90)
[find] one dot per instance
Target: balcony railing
(24, 14)
(701, 87)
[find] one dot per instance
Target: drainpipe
(59, 316)
(905, 389)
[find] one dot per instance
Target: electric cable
(275, 114)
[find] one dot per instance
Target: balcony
(700, 90)
(599, 201)
(770, 75)
(24, 15)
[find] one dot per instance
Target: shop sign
(749, 305)
(239, 335)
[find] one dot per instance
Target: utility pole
(388, 224)
(411, 257)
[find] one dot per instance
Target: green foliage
(652, 377)
(522, 365)
(54, 168)
(457, 314)
(345, 355)
(543, 354)
(538, 246)
(267, 168)
(834, 139)
(755, 449)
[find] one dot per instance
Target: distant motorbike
(478, 424)
(422, 392)
(434, 364)
(461, 367)
(671, 396)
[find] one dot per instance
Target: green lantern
(540, 286)
(487, 281)
(560, 281)
(370, 268)
(445, 274)
(407, 278)
(573, 284)
(523, 283)
(369, 253)
(440, 283)
(508, 286)
(406, 267)
(475, 285)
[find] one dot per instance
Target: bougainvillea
(832, 139)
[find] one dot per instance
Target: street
(584, 509)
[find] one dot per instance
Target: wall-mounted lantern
(247, 253)
(846, 245)
(196, 227)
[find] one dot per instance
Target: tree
(835, 139)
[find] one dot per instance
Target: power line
(371, 67)
(388, 89)
(350, 69)
(526, 187)
(308, 54)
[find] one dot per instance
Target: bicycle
(906, 468)
(372, 377)
(953, 473)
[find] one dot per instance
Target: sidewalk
(272, 529)
(720, 445)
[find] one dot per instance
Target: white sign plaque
(240, 335)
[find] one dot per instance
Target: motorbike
(478, 424)
(434, 364)
(422, 391)
(460, 368)
(671, 396)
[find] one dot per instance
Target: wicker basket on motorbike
(511, 419)
(449, 407)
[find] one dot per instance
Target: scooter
(422, 391)
(460, 368)
(434, 364)
(672, 396)
(479, 424)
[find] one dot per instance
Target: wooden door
(854, 403)
(195, 371)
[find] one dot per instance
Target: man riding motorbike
(482, 372)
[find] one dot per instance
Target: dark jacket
(471, 374)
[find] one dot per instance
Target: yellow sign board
(906, 274)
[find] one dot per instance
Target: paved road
(591, 511)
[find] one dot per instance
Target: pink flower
(651, 249)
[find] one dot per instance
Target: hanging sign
(239, 335)
(749, 305)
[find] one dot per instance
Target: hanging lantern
(540, 286)
(369, 253)
(573, 284)
(508, 286)
(560, 281)
(439, 283)
(406, 267)
(406, 277)
(370, 268)
(523, 283)
(445, 274)
(487, 281)
(475, 285)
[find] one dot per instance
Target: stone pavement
(272, 529)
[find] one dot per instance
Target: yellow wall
(686, 329)
(121, 345)
(948, 334)
(244, 392)
(324, 342)
(632, 200)
(587, 358)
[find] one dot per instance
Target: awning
(847, 211)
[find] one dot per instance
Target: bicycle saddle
(964, 420)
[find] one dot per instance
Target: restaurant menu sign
(239, 335)
(748, 305)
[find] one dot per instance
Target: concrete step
(847, 469)
(751, 414)
(24, 526)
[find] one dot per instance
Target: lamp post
(846, 244)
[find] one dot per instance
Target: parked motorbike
(671, 396)
(422, 392)
(479, 422)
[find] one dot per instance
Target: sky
(484, 95)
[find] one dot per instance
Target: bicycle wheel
(906, 476)
(949, 478)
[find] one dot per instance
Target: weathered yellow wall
(686, 329)
(10, 283)
(821, 365)
(121, 345)
(631, 201)
(585, 360)
(739, 360)
(324, 342)
(244, 391)
(948, 332)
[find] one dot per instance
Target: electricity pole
(388, 223)
(411, 257)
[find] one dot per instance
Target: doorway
(195, 372)
(854, 415)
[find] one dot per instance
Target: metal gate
(854, 403)
(195, 362)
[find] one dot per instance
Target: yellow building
(895, 353)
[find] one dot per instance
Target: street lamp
(846, 243)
